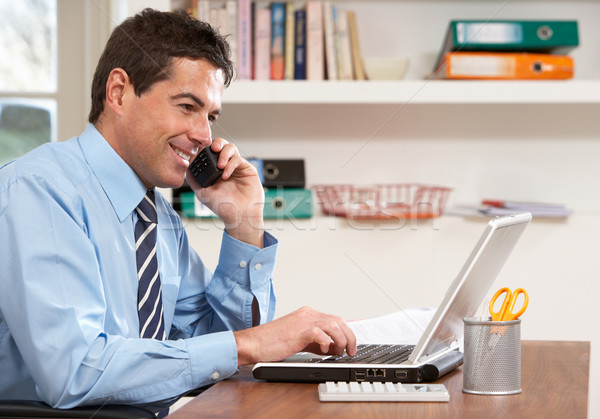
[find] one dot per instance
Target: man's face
(163, 130)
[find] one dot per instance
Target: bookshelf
(415, 29)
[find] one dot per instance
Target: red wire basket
(390, 201)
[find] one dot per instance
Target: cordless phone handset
(204, 168)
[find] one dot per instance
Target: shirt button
(243, 264)
(215, 376)
(257, 266)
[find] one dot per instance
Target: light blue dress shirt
(69, 331)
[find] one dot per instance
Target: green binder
(555, 36)
(288, 203)
(279, 203)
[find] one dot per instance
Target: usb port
(401, 374)
(360, 375)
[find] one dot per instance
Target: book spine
(213, 18)
(231, 7)
(194, 11)
(357, 64)
(314, 41)
(244, 62)
(505, 65)
(300, 45)
(290, 10)
(277, 41)
(345, 70)
(262, 44)
(203, 10)
(329, 11)
(222, 21)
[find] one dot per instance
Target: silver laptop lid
(468, 290)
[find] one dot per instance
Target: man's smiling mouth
(182, 154)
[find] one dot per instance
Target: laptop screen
(468, 289)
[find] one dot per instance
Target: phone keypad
(204, 168)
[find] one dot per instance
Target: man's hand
(303, 330)
(238, 197)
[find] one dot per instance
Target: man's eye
(187, 107)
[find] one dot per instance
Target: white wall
(360, 270)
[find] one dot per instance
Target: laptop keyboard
(373, 354)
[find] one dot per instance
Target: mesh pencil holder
(492, 357)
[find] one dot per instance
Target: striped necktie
(150, 308)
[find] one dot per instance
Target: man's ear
(117, 86)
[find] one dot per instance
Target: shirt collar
(122, 186)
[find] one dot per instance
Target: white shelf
(414, 92)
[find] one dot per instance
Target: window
(28, 76)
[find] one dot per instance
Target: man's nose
(200, 132)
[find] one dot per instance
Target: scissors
(506, 310)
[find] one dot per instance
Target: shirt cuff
(213, 357)
(247, 264)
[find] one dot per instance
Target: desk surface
(554, 379)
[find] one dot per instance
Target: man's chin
(175, 182)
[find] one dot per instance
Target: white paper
(401, 327)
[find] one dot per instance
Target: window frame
(83, 27)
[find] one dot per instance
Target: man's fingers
(342, 336)
(334, 336)
(303, 330)
(351, 338)
(316, 336)
(219, 143)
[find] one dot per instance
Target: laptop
(437, 351)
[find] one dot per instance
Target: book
(357, 64)
(244, 44)
(329, 18)
(290, 9)
(222, 21)
(262, 44)
(556, 36)
(203, 10)
(314, 41)
(344, 49)
(300, 45)
(232, 38)
(213, 18)
(277, 40)
(504, 65)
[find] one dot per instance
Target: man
(72, 296)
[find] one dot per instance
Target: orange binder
(504, 65)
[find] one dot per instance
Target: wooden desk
(554, 379)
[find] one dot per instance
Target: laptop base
(375, 373)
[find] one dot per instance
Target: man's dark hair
(146, 44)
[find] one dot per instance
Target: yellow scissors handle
(508, 314)
(498, 315)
